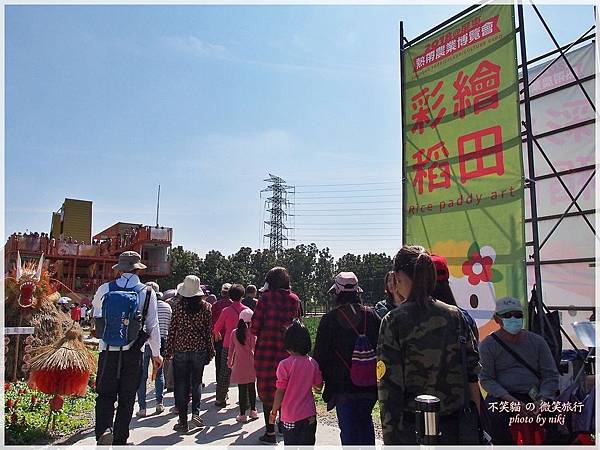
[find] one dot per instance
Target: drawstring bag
(363, 365)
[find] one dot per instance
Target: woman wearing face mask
(418, 353)
(517, 367)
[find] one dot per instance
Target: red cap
(441, 267)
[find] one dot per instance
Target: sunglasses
(515, 314)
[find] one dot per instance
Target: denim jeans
(356, 421)
(188, 367)
(159, 383)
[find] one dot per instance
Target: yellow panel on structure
(77, 220)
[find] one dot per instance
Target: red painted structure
(83, 267)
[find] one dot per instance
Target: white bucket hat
(190, 287)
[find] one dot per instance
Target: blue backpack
(121, 320)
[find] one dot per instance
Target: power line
(351, 190)
(352, 223)
(312, 236)
(347, 240)
(353, 196)
(348, 203)
(350, 229)
(346, 184)
(351, 214)
(347, 209)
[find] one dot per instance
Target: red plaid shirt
(274, 312)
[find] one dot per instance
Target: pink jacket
(240, 359)
(228, 320)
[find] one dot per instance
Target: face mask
(512, 325)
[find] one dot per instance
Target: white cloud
(194, 45)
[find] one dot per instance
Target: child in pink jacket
(297, 376)
(241, 362)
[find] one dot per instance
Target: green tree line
(311, 271)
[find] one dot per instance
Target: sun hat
(129, 261)
(345, 282)
(226, 287)
(246, 315)
(190, 287)
(441, 267)
(506, 304)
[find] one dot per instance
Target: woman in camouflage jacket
(418, 353)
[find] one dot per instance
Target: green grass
(25, 421)
(312, 323)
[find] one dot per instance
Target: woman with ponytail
(240, 359)
(419, 353)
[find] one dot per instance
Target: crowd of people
(34, 241)
(417, 341)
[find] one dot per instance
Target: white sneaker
(253, 414)
(159, 408)
(241, 419)
(141, 413)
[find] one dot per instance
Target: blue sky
(103, 103)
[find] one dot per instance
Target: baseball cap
(441, 267)
(246, 314)
(345, 282)
(226, 287)
(506, 304)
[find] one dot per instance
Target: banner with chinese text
(463, 192)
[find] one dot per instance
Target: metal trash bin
(426, 419)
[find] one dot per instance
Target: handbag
(469, 425)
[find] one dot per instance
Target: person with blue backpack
(345, 349)
(126, 317)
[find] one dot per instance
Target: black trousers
(218, 351)
(117, 384)
(303, 433)
(247, 397)
(267, 412)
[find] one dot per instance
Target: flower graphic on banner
(479, 266)
(479, 300)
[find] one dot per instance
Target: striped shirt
(164, 318)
